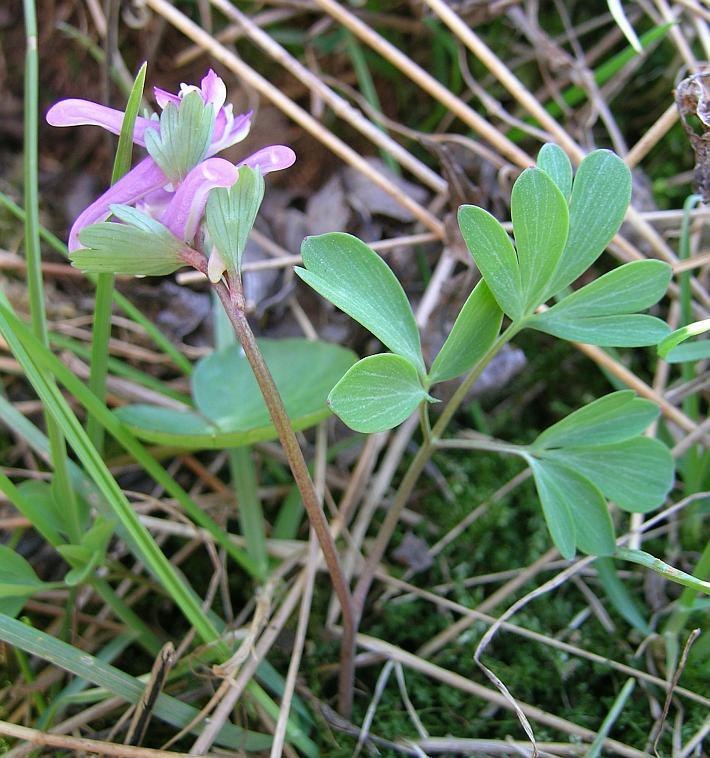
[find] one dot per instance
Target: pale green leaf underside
(626, 330)
(472, 334)
(603, 312)
(576, 509)
(353, 277)
(600, 196)
(553, 160)
(556, 510)
(377, 393)
(690, 351)
(230, 215)
(627, 289)
(612, 418)
(494, 254)
(540, 220)
(637, 474)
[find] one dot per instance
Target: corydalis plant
(168, 190)
(561, 226)
(160, 206)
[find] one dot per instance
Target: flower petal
(75, 112)
(163, 97)
(213, 90)
(140, 181)
(228, 129)
(272, 158)
(183, 214)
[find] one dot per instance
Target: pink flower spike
(185, 211)
(273, 158)
(75, 112)
(140, 181)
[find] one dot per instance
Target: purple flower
(172, 184)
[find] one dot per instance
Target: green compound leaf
(672, 350)
(230, 409)
(602, 313)
(627, 289)
(600, 196)
(540, 221)
(575, 510)
(613, 418)
(693, 351)
(494, 254)
(629, 330)
(355, 279)
(637, 474)
(377, 393)
(184, 136)
(140, 246)
(231, 214)
(473, 333)
(553, 160)
(556, 510)
(37, 503)
(18, 581)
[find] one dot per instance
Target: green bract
(139, 246)
(184, 136)
(231, 214)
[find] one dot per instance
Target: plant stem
(411, 477)
(233, 301)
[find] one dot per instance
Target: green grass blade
(101, 330)
(86, 666)
(108, 421)
(251, 516)
(33, 254)
(132, 529)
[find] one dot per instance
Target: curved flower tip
(272, 158)
(185, 210)
(76, 112)
(145, 178)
